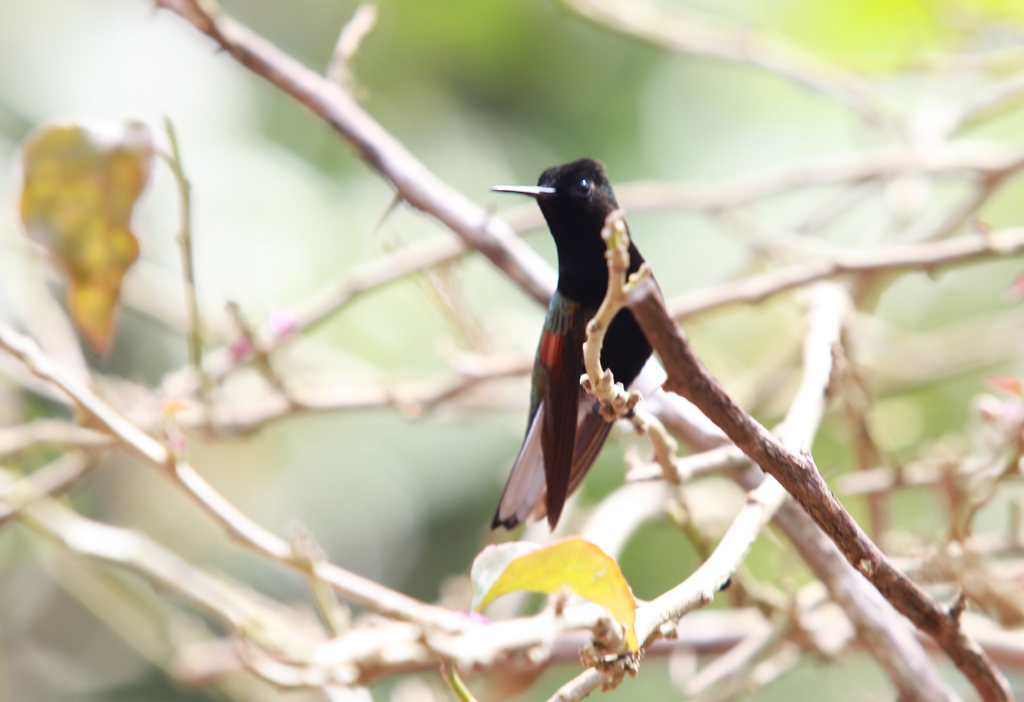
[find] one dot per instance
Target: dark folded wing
(523, 496)
(566, 432)
(591, 433)
(562, 358)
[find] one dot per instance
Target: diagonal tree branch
(322, 304)
(152, 453)
(878, 626)
(412, 181)
(799, 475)
(796, 431)
(828, 307)
(50, 480)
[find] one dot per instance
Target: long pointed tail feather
(525, 495)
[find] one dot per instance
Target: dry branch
(153, 454)
(16, 439)
(410, 178)
(412, 399)
(51, 480)
(799, 475)
(263, 632)
(320, 306)
(688, 33)
(195, 323)
(927, 257)
(447, 634)
(988, 100)
(986, 161)
(878, 626)
(798, 430)
(352, 34)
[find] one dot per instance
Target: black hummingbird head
(574, 196)
(575, 199)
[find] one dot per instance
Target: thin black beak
(536, 191)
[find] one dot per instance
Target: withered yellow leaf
(573, 564)
(77, 197)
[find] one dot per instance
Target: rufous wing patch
(551, 350)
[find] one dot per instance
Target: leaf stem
(451, 676)
(195, 337)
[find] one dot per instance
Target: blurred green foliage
(482, 93)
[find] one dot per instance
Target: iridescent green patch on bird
(560, 315)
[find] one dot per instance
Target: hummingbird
(565, 430)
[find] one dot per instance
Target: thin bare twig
(736, 660)
(877, 623)
(451, 676)
(50, 480)
(927, 257)
(986, 162)
(856, 408)
(800, 476)
(356, 589)
(982, 160)
(616, 401)
(410, 178)
(195, 325)
(252, 345)
(715, 460)
(16, 439)
(796, 433)
(878, 626)
(412, 399)
(798, 430)
(687, 32)
(352, 34)
(992, 98)
(335, 617)
(321, 305)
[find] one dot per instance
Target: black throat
(583, 275)
(582, 266)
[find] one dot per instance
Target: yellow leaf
(77, 197)
(573, 564)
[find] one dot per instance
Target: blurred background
(482, 93)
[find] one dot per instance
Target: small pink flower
(1016, 290)
(474, 617)
(1005, 383)
(177, 442)
(239, 349)
(282, 324)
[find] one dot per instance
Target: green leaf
(573, 564)
(78, 194)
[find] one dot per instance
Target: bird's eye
(583, 189)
